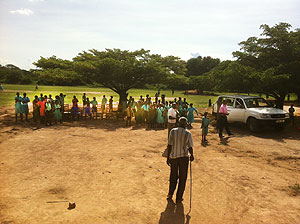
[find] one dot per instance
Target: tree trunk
(280, 101)
(122, 100)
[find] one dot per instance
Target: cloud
(25, 12)
(35, 0)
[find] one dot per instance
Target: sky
(30, 29)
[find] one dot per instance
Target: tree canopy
(275, 56)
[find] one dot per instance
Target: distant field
(7, 96)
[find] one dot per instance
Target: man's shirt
(172, 112)
(181, 140)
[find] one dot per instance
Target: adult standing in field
(223, 113)
(1, 87)
(180, 145)
(172, 116)
(104, 101)
(18, 106)
(25, 109)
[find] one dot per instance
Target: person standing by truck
(223, 123)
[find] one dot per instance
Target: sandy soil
(115, 174)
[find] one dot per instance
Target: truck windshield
(256, 102)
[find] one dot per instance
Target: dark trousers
(179, 170)
(223, 123)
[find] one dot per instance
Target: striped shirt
(181, 140)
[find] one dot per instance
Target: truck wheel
(252, 124)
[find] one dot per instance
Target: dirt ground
(116, 174)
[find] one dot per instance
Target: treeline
(269, 64)
(11, 74)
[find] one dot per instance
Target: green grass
(7, 96)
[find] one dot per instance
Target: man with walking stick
(180, 145)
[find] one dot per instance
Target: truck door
(238, 111)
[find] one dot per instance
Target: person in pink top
(223, 112)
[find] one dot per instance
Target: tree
(122, 70)
(199, 66)
(275, 56)
(235, 77)
(14, 75)
(56, 71)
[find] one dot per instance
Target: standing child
(25, 109)
(36, 108)
(190, 114)
(204, 126)
(58, 115)
(104, 101)
(128, 115)
(41, 105)
(87, 109)
(18, 106)
(94, 107)
(111, 104)
(48, 112)
(291, 113)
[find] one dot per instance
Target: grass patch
(7, 96)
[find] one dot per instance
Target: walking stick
(187, 215)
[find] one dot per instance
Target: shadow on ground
(174, 214)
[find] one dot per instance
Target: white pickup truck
(253, 111)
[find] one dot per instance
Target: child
(128, 115)
(25, 109)
(41, 105)
(291, 113)
(111, 104)
(87, 109)
(190, 114)
(204, 126)
(36, 108)
(160, 116)
(152, 116)
(18, 106)
(58, 115)
(75, 108)
(48, 112)
(94, 107)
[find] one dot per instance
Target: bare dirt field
(115, 174)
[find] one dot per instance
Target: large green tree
(200, 65)
(56, 71)
(276, 58)
(122, 70)
(14, 75)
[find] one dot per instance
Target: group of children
(155, 113)
(144, 111)
(45, 108)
